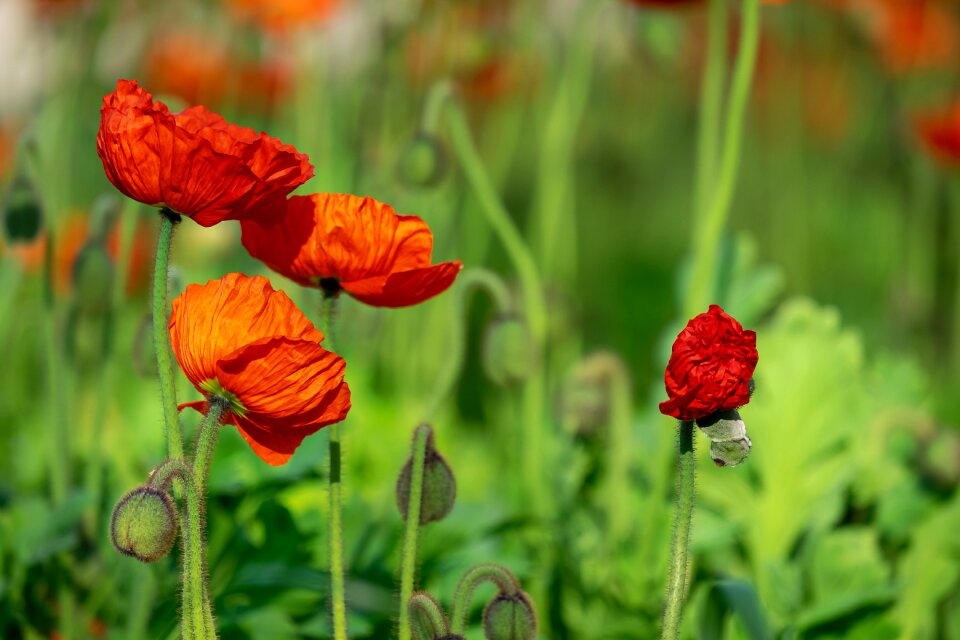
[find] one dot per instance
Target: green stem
(337, 590)
(470, 279)
(432, 613)
(535, 306)
(196, 609)
(711, 105)
(161, 338)
(708, 231)
(473, 578)
(421, 437)
(679, 553)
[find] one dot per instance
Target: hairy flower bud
(439, 486)
(509, 352)
(423, 161)
(510, 617)
(144, 524)
(729, 444)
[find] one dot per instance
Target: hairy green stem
(337, 590)
(707, 233)
(473, 578)
(680, 549)
(161, 338)
(432, 614)
(196, 609)
(711, 105)
(408, 563)
(470, 279)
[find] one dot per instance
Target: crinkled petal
(404, 288)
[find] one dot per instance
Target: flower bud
(423, 161)
(509, 352)
(144, 524)
(92, 277)
(22, 213)
(729, 444)
(510, 617)
(439, 486)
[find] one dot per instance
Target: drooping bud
(509, 353)
(423, 161)
(729, 444)
(510, 617)
(22, 212)
(439, 485)
(144, 524)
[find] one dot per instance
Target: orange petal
(405, 288)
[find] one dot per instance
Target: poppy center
(215, 391)
(329, 286)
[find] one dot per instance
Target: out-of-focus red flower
(239, 340)
(677, 4)
(710, 368)
(345, 242)
(939, 132)
(193, 162)
(281, 15)
(202, 70)
(7, 144)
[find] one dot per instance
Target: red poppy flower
(940, 135)
(238, 339)
(340, 241)
(710, 368)
(193, 162)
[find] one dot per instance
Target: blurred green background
(841, 252)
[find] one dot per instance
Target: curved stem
(196, 609)
(711, 105)
(679, 553)
(470, 279)
(709, 229)
(423, 603)
(337, 589)
(534, 303)
(472, 579)
(421, 437)
(161, 338)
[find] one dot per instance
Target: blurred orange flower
(281, 15)
(202, 70)
(345, 242)
(237, 339)
(939, 133)
(194, 162)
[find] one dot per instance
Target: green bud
(439, 486)
(144, 524)
(509, 351)
(22, 213)
(423, 161)
(729, 444)
(510, 617)
(92, 278)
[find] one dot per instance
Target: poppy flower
(239, 340)
(940, 135)
(710, 367)
(193, 162)
(358, 245)
(281, 15)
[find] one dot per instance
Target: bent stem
(679, 553)
(196, 609)
(425, 605)
(161, 338)
(710, 225)
(472, 579)
(337, 590)
(409, 561)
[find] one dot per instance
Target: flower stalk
(473, 578)
(680, 549)
(161, 338)
(421, 437)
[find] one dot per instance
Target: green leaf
(732, 597)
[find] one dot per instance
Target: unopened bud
(729, 444)
(92, 278)
(439, 486)
(22, 213)
(510, 617)
(144, 524)
(423, 161)
(509, 351)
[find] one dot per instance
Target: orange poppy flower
(344, 242)
(940, 134)
(193, 162)
(237, 339)
(281, 15)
